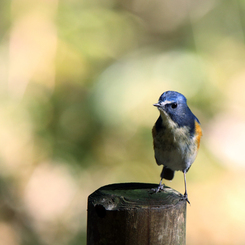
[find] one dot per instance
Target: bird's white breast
(174, 147)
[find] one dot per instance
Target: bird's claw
(185, 198)
(159, 188)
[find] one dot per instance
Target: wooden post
(133, 214)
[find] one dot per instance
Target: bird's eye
(174, 105)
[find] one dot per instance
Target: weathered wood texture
(132, 214)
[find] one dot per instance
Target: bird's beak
(157, 105)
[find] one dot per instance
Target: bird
(176, 137)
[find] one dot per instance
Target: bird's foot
(159, 188)
(185, 198)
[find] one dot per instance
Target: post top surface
(132, 195)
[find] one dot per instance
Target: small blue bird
(176, 136)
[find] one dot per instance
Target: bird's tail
(167, 173)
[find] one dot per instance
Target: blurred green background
(78, 80)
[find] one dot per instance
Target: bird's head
(173, 106)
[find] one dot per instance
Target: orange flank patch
(198, 133)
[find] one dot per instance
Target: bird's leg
(185, 197)
(160, 187)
